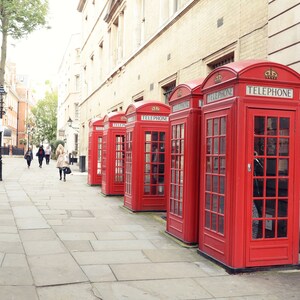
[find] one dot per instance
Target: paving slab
(109, 257)
(15, 276)
(37, 235)
(44, 247)
(152, 290)
(55, 269)
(78, 246)
(67, 292)
(122, 245)
(18, 293)
(99, 273)
(14, 260)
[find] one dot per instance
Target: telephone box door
(271, 204)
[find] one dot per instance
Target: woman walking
(41, 154)
(61, 164)
(28, 156)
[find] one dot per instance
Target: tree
(45, 118)
(18, 18)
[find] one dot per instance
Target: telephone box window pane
(256, 229)
(222, 185)
(258, 169)
(282, 187)
(221, 225)
(208, 182)
(259, 146)
(221, 205)
(216, 145)
(207, 219)
(222, 165)
(148, 148)
(216, 126)
(162, 136)
(223, 126)
(283, 167)
(146, 189)
(214, 222)
(272, 126)
(207, 201)
(209, 146)
(258, 187)
(271, 187)
(182, 146)
(222, 145)
(148, 136)
(271, 146)
(209, 127)
(271, 208)
(270, 229)
(257, 209)
(215, 184)
(283, 208)
(284, 126)
(271, 166)
(215, 203)
(216, 164)
(259, 125)
(282, 228)
(283, 147)
(208, 164)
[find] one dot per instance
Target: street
(66, 241)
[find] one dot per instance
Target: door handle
(249, 167)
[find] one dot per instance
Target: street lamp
(2, 94)
(29, 131)
(70, 121)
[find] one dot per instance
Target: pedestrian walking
(61, 161)
(28, 156)
(40, 154)
(47, 154)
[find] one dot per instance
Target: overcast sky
(40, 54)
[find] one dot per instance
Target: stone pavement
(65, 241)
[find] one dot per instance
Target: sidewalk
(65, 241)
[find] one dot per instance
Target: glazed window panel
(154, 157)
(119, 158)
(128, 163)
(99, 156)
(270, 177)
(215, 171)
(177, 168)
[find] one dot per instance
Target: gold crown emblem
(155, 108)
(218, 78)
(271, 74)
(179, 93)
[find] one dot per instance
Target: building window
(228, 58)
(77, 82)
(76, 110)
(167, 90)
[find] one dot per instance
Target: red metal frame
(183, 191)
(113, 154)
(147, 151)
(95, 152)
(237, 224)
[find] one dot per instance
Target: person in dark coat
(28, 156)
(40, 154)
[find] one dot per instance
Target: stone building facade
(134, 50)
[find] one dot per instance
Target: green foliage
(21, 17)
(45, 118)
(18, 18)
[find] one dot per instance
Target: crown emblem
(271, 74)
(218, 78)
(155, 108)
(179, 93)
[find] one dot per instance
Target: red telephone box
(95, 152)
(249, 204)
(183, 191)
(147, 150)
(113, 153)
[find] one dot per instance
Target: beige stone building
(141, 49)
(69, 86)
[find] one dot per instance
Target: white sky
(40, 54)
